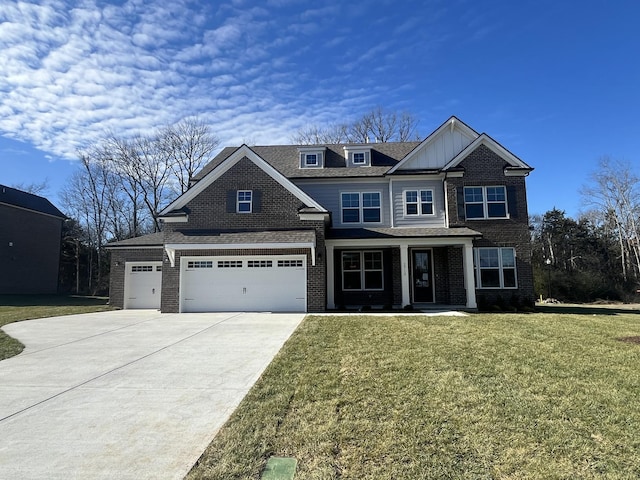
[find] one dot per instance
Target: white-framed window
(311, 159)
(485, 202)
(361, 207)
(418, 202)
(495, 267)
(362, 270)
(359, 158)
(243, 204)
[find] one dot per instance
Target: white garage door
(243, 284)
(142, 285)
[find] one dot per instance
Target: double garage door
(270, 283)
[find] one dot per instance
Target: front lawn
(14, 308)
(484, 396)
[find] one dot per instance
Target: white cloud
(73, 71)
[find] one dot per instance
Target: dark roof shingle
(28, 201)
(285, 159)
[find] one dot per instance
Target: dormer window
(357, 156)
(312, 157)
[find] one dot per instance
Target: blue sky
(556, 83)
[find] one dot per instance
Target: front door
(422, 276)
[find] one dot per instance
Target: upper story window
(495, 267)
(485, 202)
(361, 207)
(418, 202)
(244, 201)
(357, 156)
(311, 157)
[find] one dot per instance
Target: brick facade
(29, 251)
(483, 167)
(212, 213)
(119, 258)
(277, 209)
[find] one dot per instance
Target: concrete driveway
(127, 394)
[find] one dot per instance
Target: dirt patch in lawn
(630, 339)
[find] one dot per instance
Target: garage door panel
(243, 284)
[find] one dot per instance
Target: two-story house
(442, 222)
(30, 240)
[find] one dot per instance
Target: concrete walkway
(127, 394)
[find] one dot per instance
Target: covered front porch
(395, 267)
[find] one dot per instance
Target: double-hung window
(361, 207)
(485, 202)
(243, 204)
(418, 202)
(362, 270)
(495, 267)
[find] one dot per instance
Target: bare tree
(36, 188)
(615, 193)
(88, 197)
(124, 162)
(314, 135)
(377, 125)
(188, 145)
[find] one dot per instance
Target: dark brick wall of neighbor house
(118, 259)
(484, 167)
(29, 251)
(278, 210)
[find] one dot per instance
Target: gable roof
(218, 170)
(28, 201)
(490, 143)
(438, 148)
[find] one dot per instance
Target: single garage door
(142, 285)
(243, 284)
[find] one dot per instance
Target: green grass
(508, 396)
(15, 308)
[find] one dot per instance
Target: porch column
(331, 302)
(404, 270)
(469, 281)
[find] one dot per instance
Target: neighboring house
(442, 222)
(30, 240)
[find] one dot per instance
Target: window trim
(364, 158)
(307, 164)
(485, 202)
(244, 202)
(361, 208)
(418, 202)
(363, 270)
(501, 268)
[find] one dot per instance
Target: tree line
(596, 256)
(119, 189)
